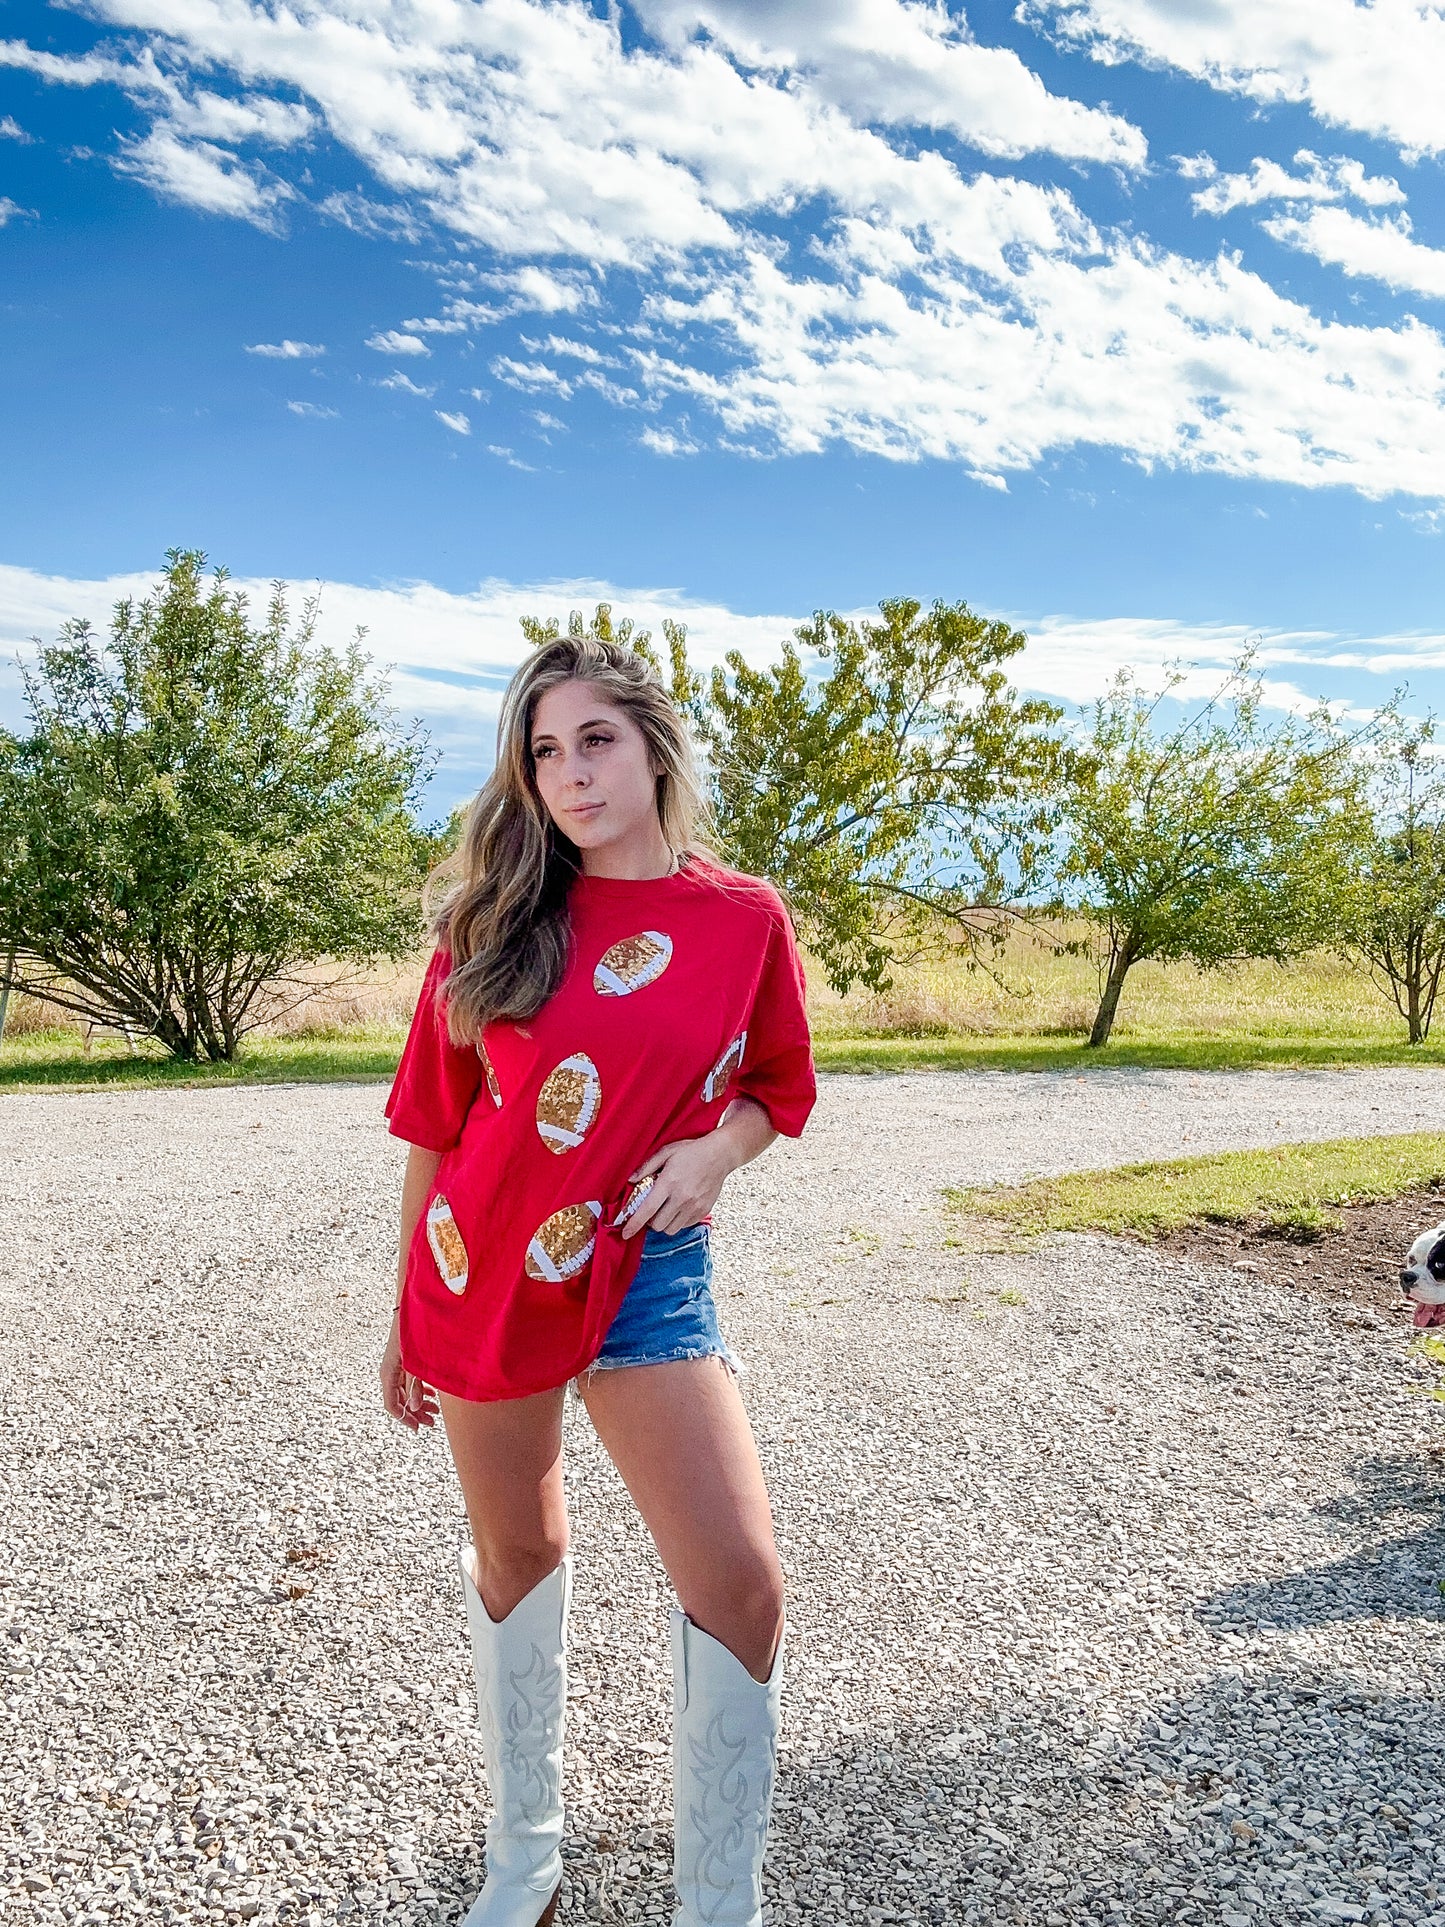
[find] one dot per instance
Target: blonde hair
(503, 913)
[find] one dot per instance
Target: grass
(50, 1059)
(1295, 1188)
(939, 1015)
(47, 1059)
(1207, 1053)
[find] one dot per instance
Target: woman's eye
(598, 739)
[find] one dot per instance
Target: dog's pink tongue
(1429, 1315)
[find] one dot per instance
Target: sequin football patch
(568, 1103)
(445, 1239)
(720, 1076)
(563, 1244)
(494, 1089)
(632, 964)
(635, 1198)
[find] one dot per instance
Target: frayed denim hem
(729, 1358)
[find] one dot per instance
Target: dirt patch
(1355, 1269)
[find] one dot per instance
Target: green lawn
(1293, 1186)
(47, 1059)
(1031, 1014)
(56, 1058)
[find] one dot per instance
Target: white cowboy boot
(724, 1763)
(521, 1668)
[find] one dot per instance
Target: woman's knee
(506, 1570)
(742, 1608)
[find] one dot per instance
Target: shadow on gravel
(1214, 1808)
(1400, 1576)
(1287, 1798)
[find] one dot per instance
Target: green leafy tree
(884, 774)
(1223, 837)
(202, 807)
(1396, 926)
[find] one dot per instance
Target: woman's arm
(691, 1172)
(406, 1399)
(746, 1129)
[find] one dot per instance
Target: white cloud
(448, 655)
(181, 157)
(667, 441)
(459, 424)
(1198, 365)
(394, 342)
(11, 130)
(903, 63)
(1377, 67)
(405, 385)
(812, 271)
(1333, 180)
(64, 70)
(204, 176)
(1073, 660)
(510, 457)
(531, 376)
(1382, 250)
(287, 350)
(527, 126)
(313, 411)
(375, 219)
(547, 290)
(13, 211)
(576, 350)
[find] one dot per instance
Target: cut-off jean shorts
(668, 1312)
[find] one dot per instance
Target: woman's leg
(508, 1456)
(679, 1435)
(509, 1460)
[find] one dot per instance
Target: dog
(1422, 1277)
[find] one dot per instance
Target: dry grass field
(1028, 992)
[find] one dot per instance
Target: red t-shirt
(680, 993)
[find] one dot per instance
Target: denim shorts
(668, 1312)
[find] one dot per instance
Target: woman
(611, 1024)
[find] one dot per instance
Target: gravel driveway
(1115, 1581)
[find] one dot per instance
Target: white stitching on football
(718, 1078)
(446, 1244)
(562, 1245)
(494, 1089)
(568, 1102)
(632, 964)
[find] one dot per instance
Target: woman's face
(593, 770)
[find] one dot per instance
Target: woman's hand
(691, 1172)
(406, 1399)
(688, 1175)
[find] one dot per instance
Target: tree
(202, 807)
(1222, 838)
(884, 774)
(1396, 926)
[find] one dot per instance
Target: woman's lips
(584, 809)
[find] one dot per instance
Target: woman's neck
(629, 862)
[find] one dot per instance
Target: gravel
(1115, 1580)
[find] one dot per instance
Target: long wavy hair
(499, 902)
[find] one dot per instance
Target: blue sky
(1123, 318)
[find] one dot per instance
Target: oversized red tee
(680, 993)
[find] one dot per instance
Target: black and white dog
(1422, 1278)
